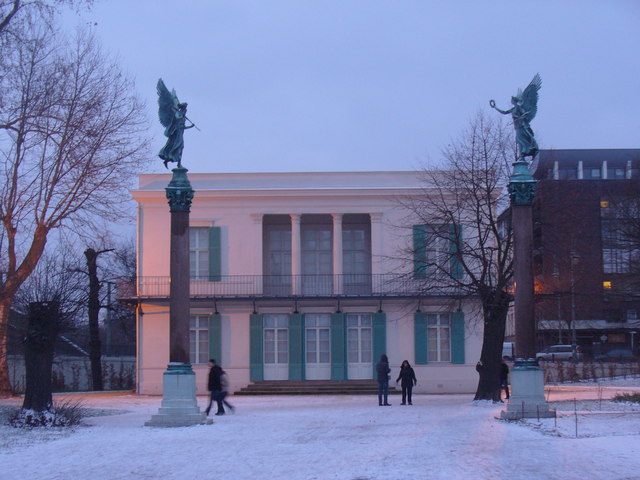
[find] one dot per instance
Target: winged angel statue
(525, 106)
(173, 116)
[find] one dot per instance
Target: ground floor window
(199, 339)
(439, 337)
(276, 338)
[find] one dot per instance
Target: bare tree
(460, 247)
(14, 11)
(52, 297)
(72, 133)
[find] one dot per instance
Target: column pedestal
(527, 393)
(179, 407)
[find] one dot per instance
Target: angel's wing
(167, 104)
(530, 97)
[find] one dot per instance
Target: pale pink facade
(299, 276)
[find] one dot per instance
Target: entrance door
(317, 346)
(276, 347)
(359, 346)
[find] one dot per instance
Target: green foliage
(627, 397)
(67, 413)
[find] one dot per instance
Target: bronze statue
(173, 116)
(525, 106)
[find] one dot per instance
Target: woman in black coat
(408, 377)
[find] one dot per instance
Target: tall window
(359, 338)
(199, 338)
(276, 338)
(276, 242)
(199, 253)
(439, 337)
(356, 254)
(435, 250)
(619, 250)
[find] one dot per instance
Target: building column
(605, 170)
(556, 170)
(296, 255)
(256, 220)
(580, 170)
(376, 243)
(337, 253)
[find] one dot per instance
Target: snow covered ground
(339, 437)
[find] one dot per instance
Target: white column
(580, 170)
(337, 253)
(296, 257)
(256, 219)
(628, 170)
(376, 244)
(605, 173)
(556, 170)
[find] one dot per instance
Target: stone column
(376, 243)
(296, 255)
(179, 407)
(527, 378)
(337, 254)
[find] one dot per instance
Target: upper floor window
(615, 173)
(568, 174)
(204, 253)
(592, 173)
(435, 250)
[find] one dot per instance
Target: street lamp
(575, 258)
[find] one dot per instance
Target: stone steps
(312, 387)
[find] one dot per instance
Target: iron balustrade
(278, 286)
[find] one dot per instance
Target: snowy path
(332, 437)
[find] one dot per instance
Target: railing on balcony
(277, 286)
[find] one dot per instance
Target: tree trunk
(38, 357)
(495, 316)
(5, 384)
(95, 353)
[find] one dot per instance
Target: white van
(509, 350)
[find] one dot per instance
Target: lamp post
(575, 258)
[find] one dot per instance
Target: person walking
(408, 377)
(383, 380)
(504, 378)
(215, 387)
(224, 391)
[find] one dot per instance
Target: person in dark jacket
(504, 377)
(383, 380)
(215, 387)
(408, 377)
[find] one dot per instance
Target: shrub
(63, 414)
(627, 397)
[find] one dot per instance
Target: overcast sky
(373, 85)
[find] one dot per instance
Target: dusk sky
(373, 85)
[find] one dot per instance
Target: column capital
(337, 217)
(376, 217)
(256, 217)
(295, 218)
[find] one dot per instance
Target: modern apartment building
(587, 248)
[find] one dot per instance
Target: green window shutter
(379, 338)
(256, 372)
(457, 337)
(455, 266)
(215, 254)
(338, 347)
(215, 337)
(296, 346)
(419, 251)
(420, 338)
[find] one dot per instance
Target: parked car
(620, 354)
(559, 352)
(508, 350)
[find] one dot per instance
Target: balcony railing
(278, 286)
